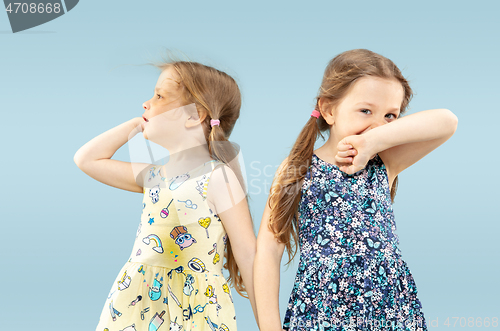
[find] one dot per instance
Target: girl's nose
(145, 106)
(378, 123)
(374, 125)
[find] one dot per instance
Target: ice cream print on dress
(156, 321)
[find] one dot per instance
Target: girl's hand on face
(139, 122)
(354, 153)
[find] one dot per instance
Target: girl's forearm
(421, 126)
(266, 286)
(105, 145)
(247, 274)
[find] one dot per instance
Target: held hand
(354, 153)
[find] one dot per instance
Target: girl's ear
(327, 111)
(196, 119)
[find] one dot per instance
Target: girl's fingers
(343, 147)
(350, 152)
(343, 159)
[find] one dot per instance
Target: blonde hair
(217, 94)
(340, 74)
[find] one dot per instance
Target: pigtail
(285, 192)
(223, 150)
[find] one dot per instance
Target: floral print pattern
(351, 275)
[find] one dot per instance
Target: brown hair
(340, 75)
(216, 93)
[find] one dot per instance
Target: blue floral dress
(351, 275)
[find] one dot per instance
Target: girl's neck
(185, 160)
(328, 151)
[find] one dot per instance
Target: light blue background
(65, 236)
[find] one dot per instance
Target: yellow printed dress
(173, 279)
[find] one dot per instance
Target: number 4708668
(472, 322)
(33, 8)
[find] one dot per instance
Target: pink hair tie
(315, 113)
(214, 122)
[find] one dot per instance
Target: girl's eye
(391, 116)
(366, 111)
(159, 96)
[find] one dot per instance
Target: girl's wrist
(374, 140)
(137, 121)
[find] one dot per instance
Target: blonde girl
(194, 208)
(335, 203)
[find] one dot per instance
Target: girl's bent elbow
(77, 159)
(453, 121)
(80, 158)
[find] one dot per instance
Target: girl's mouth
(145, 119)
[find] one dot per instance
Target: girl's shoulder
(226, 186)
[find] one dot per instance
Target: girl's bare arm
(402, 142)
(267, 275)
(94, 158)
(229, 200)
(266, 270)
